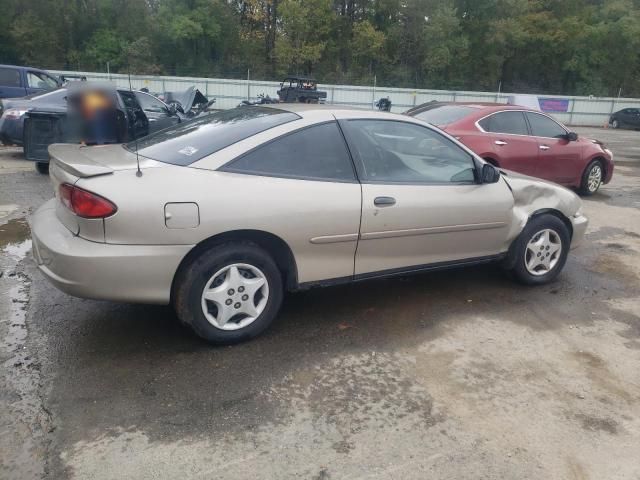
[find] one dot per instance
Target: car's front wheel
(229, 293)
(541, 250)
(615, 123)
(591, 178)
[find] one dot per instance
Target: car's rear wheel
(42, 167)
(541, 250)
(615, 123)
(592, 178)
(229, 293)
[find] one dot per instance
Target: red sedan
(525, 141)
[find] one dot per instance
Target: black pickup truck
(300, 90)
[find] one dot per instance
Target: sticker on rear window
(188, 151)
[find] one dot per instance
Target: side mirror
(172, 109)
(572, 136)
(490, 174)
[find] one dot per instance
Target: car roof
(307, 110)
(296, 77)
(484, 106)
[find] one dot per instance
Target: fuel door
(181, 215)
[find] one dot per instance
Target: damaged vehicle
(335, 195)
(190, 102)
(43, 120)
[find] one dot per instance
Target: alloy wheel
(595, 178)
(543, 252)
(235, 296)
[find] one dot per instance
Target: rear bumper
(579, 223)
(79, 267)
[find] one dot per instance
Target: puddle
(13, 232)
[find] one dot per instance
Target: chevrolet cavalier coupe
(221, 215)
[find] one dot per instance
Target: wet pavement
(459, 374)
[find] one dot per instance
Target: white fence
(592, 111)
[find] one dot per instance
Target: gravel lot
(461, 374)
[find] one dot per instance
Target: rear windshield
(444, 115)
(191, 141)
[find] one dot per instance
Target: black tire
(193, 277)
(615, 123)
(585, 187)
(519, 249)
(42, 167)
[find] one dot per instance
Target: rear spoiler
(71, 159)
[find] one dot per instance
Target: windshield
(444, 115)
(191, 141)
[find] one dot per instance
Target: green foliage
(589, 47)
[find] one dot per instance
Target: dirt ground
(455, 375)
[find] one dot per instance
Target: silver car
(221, 215)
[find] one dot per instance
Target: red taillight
(84, 203)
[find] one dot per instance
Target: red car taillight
(84, 203)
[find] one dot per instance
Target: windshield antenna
(135, 137)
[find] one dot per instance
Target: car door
(156, 111)
(421, 203)
(634, 117)
(559, 159)
(11, 85)
(625, 117)
(512, 144)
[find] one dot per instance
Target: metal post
(499, 90)
(248, 85)
(333, 91)
(573, 104)
(373, 93)
(108, 71)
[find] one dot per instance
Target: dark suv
(21, 81)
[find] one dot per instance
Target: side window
(505, 122)
(150, 104)
(542, 126)
(40, 80)
(129, 100)
(401, 152)
(317, 152)
(9, 77)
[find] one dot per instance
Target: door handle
(384, 201)
(500, 142)
(544, 147)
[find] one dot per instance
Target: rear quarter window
(313, 153)
(9, 77)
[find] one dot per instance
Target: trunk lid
(71, 162)
(83, 161)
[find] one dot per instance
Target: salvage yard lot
(461, 374)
